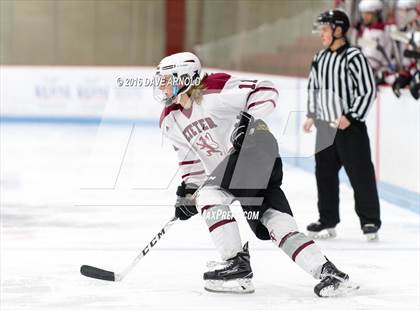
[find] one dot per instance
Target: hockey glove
(415, 86)
(184, 205)
(241, 130)
(403, 79)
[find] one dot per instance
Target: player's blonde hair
(196, 91)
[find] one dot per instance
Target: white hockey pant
(213, 203)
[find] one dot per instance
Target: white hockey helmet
(406, 4)
(366, 6)
(181, 70)
(407, 13)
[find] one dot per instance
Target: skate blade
(329, 233)
(372, 237)
(345, 288)
(239, 286)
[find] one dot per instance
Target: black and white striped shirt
(341, 82)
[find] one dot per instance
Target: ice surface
(50, 226)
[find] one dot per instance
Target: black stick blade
(93, 272)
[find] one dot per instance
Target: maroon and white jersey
(201, 135)
(376, 45)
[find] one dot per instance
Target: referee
(341, 90)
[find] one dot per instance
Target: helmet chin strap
(335, 38)
(177, 92)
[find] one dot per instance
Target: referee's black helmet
(334, 18)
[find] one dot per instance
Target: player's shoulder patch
(167, 110)
(215, 82)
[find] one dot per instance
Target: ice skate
(333, 282)
(371, 232)
(235, 276)
(318, 230)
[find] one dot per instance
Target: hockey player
(408, 23)
(228, 160)
(373, 37)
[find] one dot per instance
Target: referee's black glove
(415, 85)
(185, 205)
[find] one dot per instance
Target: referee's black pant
(350, 149)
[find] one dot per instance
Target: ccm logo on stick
(154, 241)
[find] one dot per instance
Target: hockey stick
(102, 274)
